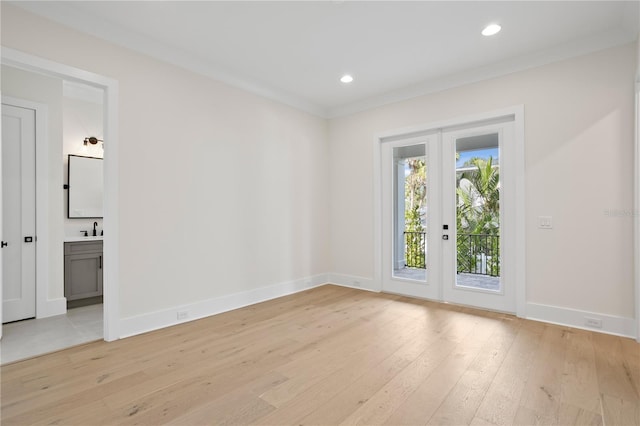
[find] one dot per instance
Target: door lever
(3, 244)
(28, 239)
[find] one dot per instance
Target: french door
(448, 215)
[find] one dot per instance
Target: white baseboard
(619, 326)
(138, 324)
(353, 281)
(165, 318)
(52, 307)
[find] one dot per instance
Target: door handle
(28, 239)
(100, 263)
(3, 244)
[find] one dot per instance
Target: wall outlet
(593, 322)
(545, 222)
(183, 315)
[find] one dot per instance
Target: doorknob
(3, 244)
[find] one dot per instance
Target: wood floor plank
(400, 342)
(393, 395)
(343, 402)
(615, 377)
(618, 411)
(332, 355)
(461, 404)
(541, 396)
(579, 386)
(501, 401)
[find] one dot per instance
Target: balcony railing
(414, 249)
(479, 254)
(476, 253)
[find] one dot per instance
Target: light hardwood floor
(333, 355)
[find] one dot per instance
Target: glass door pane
(410, 248)
(478, 212)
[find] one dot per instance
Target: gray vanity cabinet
(82, 269)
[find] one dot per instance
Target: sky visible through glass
(480, 153)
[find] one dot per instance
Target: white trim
(353, 281)
(377, 219)
(521, 212)
(575, 318)
(138, 324)
(121, 36)
(636, 204)
(44, 306)
(601, 41)
(515, 113)
(36, 64)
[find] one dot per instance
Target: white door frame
(517, 112)
(504, 299)
(44, 307)
(429, 289)
(39, 65)
(636, 212)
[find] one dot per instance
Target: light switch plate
(545, 222)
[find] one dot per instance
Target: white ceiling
(295, 52)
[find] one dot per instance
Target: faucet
(95, 225)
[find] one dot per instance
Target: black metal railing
(414, 249)
(476, 253)
(479, 254)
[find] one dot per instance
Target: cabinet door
(83, 275)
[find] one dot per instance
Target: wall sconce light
(93, 141)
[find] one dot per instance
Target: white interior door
(18, 214)
(456, 244)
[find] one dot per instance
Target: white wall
(81, 119)
(46, 90)
(221, 191)
(579, 151)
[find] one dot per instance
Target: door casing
(25, 61)
(514, 113)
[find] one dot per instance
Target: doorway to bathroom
(50, 301)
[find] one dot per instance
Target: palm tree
(478, 216)
(479, 198)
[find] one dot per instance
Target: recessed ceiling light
(492, 29)
(346, 78)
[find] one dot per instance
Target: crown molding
(576, 48)
(112, 32)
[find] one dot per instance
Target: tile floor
(25, 339)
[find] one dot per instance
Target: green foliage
(415, 198)
(478, 216)
(415, 195)
(478, 193)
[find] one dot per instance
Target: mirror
(85, 187)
